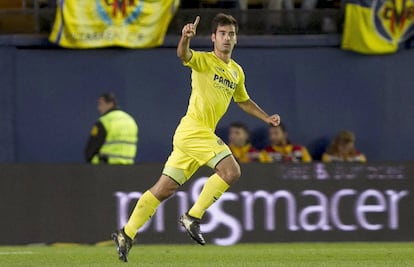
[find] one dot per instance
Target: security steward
(113, 138)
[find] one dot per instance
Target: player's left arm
(253, 109)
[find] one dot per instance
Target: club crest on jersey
(119, 12)
(234, 73)
(393, 19)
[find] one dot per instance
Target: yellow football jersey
(214, 84)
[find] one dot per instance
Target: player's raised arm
(188, 32)
(253, 109)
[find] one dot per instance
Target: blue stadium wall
(48, 98)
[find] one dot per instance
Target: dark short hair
(222, 19)
(240, 125)
(109, 98)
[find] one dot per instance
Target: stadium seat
(11, 4)
(17, 23)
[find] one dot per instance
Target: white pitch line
(3, 253)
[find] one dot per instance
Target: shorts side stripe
(219, 157)
(175, 174)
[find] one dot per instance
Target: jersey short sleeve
(197, 62)
(240, 94)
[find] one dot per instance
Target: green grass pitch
(291, 254)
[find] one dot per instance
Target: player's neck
(223, 56)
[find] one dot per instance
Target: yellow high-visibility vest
(120, 145)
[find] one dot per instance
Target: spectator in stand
(281, 149)
(239, 143)
(113, 138)
(342, 148)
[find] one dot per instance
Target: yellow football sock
(212, 190)
(143, 211)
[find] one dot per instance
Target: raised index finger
(197, 20)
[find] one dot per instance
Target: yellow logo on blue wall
(394, 19)
(101, 23)
(119, 12)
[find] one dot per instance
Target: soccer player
(216, 79)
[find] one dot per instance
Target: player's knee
(230, 175)
(164, 188)
(236, 173)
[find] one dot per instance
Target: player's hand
(273, 120)
(189, 30)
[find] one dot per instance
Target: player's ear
(213, 37)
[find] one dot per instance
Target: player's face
(103, 106)
(277, 136)
(238, 136)
(225, 38)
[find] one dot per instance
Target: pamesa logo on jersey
(119, 12)
(394, 19)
